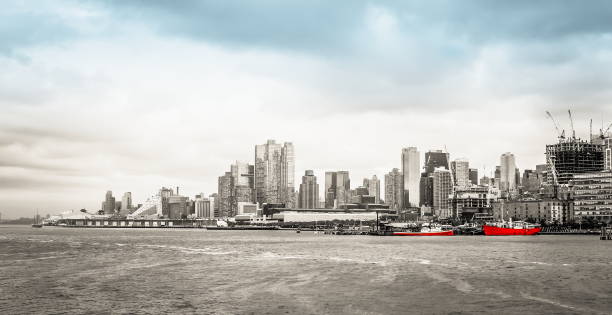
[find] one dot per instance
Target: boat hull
(494, 230)
(441, 233)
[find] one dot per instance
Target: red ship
(511, 228)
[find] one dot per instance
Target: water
(64, 270)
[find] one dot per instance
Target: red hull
(494, 230)
(443, 233)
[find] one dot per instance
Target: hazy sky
(133, 95)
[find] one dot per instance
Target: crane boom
(603, 134)
(559, 133)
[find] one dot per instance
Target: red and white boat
(511, 228)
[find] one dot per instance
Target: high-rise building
(309, 191)
(126, 203)
(224, 194)
(442, 192)
(593, 196)
(435, 159)
(531, 181)
(573, 156)
(474, 176)
(242, 187)
(109, 203)
(394, 189)
(373, 186)
(507, 172)
(274, 173)
(411, 170)
(461, 173)
(337, 187)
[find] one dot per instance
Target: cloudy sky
(133, 95)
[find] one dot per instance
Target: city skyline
(101, 96)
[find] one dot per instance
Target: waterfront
(60, 270)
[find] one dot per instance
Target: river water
(152, 271)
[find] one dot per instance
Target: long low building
(296, 217)
(550, 211)
(593, 196)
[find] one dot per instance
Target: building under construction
(573, 156)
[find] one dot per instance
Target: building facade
(461, 173)
(552, 211)
(442, 192)
(507, 169)
(309, 191)
(109, 203)
(592, 194)
(126, 203)
(274, 173)
(394, 189)
(337, 188)
(411, 170)
(373, 186)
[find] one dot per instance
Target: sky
(135, 95)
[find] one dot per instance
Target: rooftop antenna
(572, 124)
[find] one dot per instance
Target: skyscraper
(411, 164)
(474, 176)
(435, 159)
(109, 203)
(442, 190)
(274, 173)
(394, 189)
(461, 173)
(309, 191)
(373, 186)
(337, 187)
(241, 185)
(507, 171)
(126, 203)
(224, 194)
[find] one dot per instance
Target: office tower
(461, 173)
(274, 173)
(109, 203)
(517, 177)
(224, 193)
(497, 177)
(214, 204)
(309, 191)
(474, 176)
(373, 186)
(242, 187)
(126, 203)
(573, 156)
(394, 189)
(337, 187)
(435, 159)
(411, 164)
(442, 191)
(507, 172)
(330, 189)
(117, 206)
(531, 181)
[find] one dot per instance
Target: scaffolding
(572, 156)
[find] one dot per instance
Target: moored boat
(416, 230)
(511, 228)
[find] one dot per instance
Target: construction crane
(560, 134)
(602, 134)
(572, 124)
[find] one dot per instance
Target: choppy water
(62, 270)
